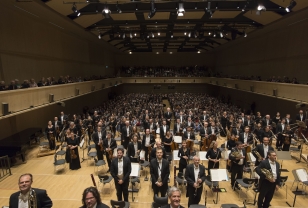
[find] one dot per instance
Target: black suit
(59, 125)
(279, 129)
(102, 205)
(146, 150)
(175, 128)
(165, 172)
(192, 125)
(265, 123)
(62, 119)
(125, 138)
(236, 168)
(162, 133)
(203, 132)
(131, 151)
(236, 132)
(289, 121)
(121, 188)
(191, 135)
(168, 206)
(259, 148)
(298, 117)
(212, 131)
(42, 199)
(190, 178)
(153, 153)
(168, 116)
(113, 145)
(249, 138)
(97, 146)
(267, 188)
(204, 118)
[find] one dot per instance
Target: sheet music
(175, 155)
(142, 155)
(252, 157)
(135, 169)
(81, 143)
(219, 175)
(177, 139)
(202, 155)
(302, 175)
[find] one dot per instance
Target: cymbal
(301, 124)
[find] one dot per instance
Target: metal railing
(5, 167)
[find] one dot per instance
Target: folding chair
(119, 204)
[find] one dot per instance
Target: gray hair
(173, 189)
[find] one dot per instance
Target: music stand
(202, 156)
(81, 146)
(134, 173)
(283, 155)
(218, 175)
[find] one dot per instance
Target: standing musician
(72, 152)
(238, 161)
(288, 119)
(262, 149)
(72, 127)
(98, 140)
(287, 135)
(190, 123)
(267, 121)
(58, 128)
(181, 117)
(22, 197)
(231, 142)
(120, 171)
(237, 131)
(152, 127)
(163, 129)
(280, 128)
(248, 121)
(246, 138)
(113, 124)
(178, 128)
(204, 117)
(189, 134)
(224, 121)
(158, 146)
(159, 169)
(51, 133)
(212, 129)
(63, 118)
(213, 155)
(126, 133)
(134, 149)
(167, 140)
(147, 141)
(183, 154)
(300, 116)
(168, 116)
(109, 145)
(92, 199)
(174, 195)
(195, 176)
(267, 133)
(258, 132)
(204, 133)
(268, 186)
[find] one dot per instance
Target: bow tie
(120, 160)
(196, 167)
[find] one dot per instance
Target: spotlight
(135, 34)
(106, 12)
(99, 36)
(131, 35)
(221, 34)
(171, 35)
(185, 33)
(118, 8)
(214, 35)
(158, 33)
(189, 34)
(210, 33)
(75, 10)
(123, 35)
(152, 11)
(261, 8)
(245, 34)
(153, 35)
(181, 10)
(291, 5)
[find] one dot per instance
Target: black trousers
(279, 141)
(266, 193)
(108, 160)
(162, 189)
(122, 189)
(193, 195)
(146, 154)
(212, 165)
(125, 142)
(236, 172)
(182, 166)
(99, 153)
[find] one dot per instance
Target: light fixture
(131, 35)
(196, 7)
(181, 10)
(130, 52)
(189, 34)
(135, 34)
(170, 52)
(221, 34)
(118, 8)
(158, 33)
(185, 33)
(136, 7)
(99, 36)
(153, 35)
(245, 34)
(106, 12)
(171, 35)
(214, 35)
(261, 8)
(198, 52)
(123, 35)
(291, 5)
(152, 11)
(157, 52)
(210, 33)
(75, 10)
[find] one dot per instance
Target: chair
(181, 182)
(119, 204)
(296, 179)
(144, 165)
(229, 206)
(159, 201)
(60, 152)
(98, 164)
(197, 206)
(91, 154)
(59, 162)
(283, 180)
(246, 183)
(105, 180)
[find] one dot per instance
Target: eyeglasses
(91, 198)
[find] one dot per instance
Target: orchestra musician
(21, 198)
(231, 142)
(62, 118)
(98, 140)
(262, 149)
(246, 138)
(267, 186)
(287, 135)
(190, 123)
(183, 154)
(109, 145)
(163, 129)
(174, 195)
(167, 140)
(203, 133)
(58, 128)
(237, 164)
(204, 117)
(300, 116)
(279, 129)
(152, 127)
(195, 176)
(168, 116)
(224, 121)
(72, 148)
(51, 133)
(258, 131)
(212, 129)
(92, 199)
(178, 128)
(120, 171)
(213, 155)
(126, 133)
(267, 121)
(267, 133)
(288, 119)
(181, 117)
(188, 134)
(134, 149)
(159, 169)
(147, 141)
(258, 118)
(153, 152)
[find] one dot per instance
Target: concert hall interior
(226, 78)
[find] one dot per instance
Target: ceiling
(205, 25)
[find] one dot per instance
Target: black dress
(231, 144)
(287, 140)
(213, 155)
(74, 163)
(168, 141)
(52, 143)
(183, 162)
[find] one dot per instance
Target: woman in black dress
(51, 135)
(72, 146)
(167, 141)
(66, 136)
(287, 135)
(231, 142)
(183, 154)
(213, 155)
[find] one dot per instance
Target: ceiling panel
(123, 16)
(225, 14)
(300, 4)
(264, 18)
(192, 15)
(64, 9)
(87, 20)
(157, 16)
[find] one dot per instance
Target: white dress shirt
(196, 172)
(241, 162)
(265, 148)
(23, 200)
(245, 138)
(147, 140)
(120, 166)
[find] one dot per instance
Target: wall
(277, 49)
(31, 47)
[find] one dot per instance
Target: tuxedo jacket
(131, 149)
(113, 143)
(234, 131)
(264, 122)
(58, 124)
(249, 138)
(203, 131)
(191, 136)
(246, 123)
(42, 199)
(96, 138)
(192, 125)
(152, 141)
(147, 125)
(290, 121)
(209, 130)
(161, 132)
(266, 164)
(279, 128)
(102, 205)
(168, 206)
(165, 171)
(183, 118)
(168, 116)
(298, 118)
(124, 131)
(259, 148)
(234, 160)
(175, 127)
(202, 118)
(65, 117)
(190, 175)
(127, 168)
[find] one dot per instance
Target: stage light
(99, 36)
(118, 8)
(106, 12)
(75, 10)
(152, 11)
(221, 34)
(158, 33)
(291, 5)
(181, 10)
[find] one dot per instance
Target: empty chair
(60, 152)
(91, 155)
(180, 180)
(159, 201)
(119, 204)
(59, 162)
(229, 206)
(98, 164)
(246, 183)
(105, 180)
